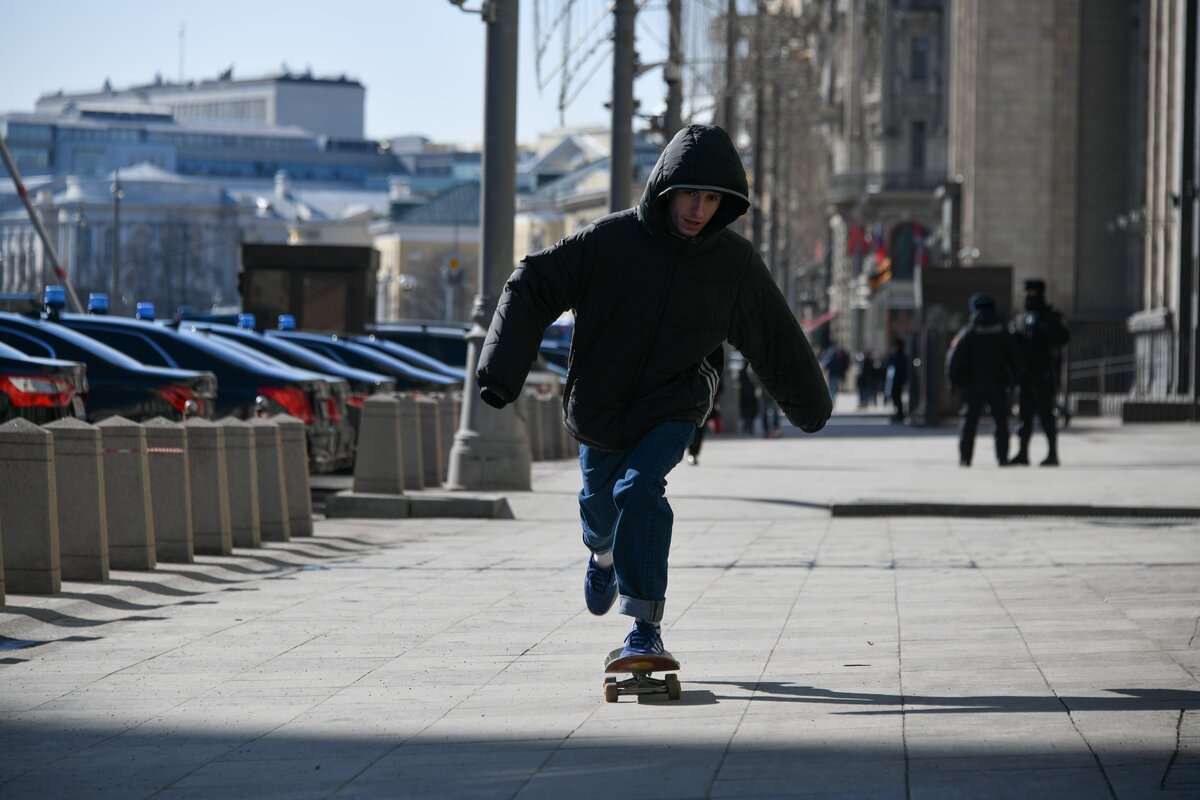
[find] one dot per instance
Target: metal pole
(673, 72)
(621, 158)
(38, 226)
(491, 448)
(777, 144)
(760, 116)
(729, 102)
(114, 288)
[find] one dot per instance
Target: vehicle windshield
(67, 343)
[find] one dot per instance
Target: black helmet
(981, 300)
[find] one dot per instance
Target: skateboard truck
(641, 667)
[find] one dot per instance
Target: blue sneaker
(643, 640)
(599, 588)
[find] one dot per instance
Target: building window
(919, 59)
(917, 146)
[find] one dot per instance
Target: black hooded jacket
(649, 306)
(984, 355)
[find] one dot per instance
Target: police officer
(1040, 332)
(981, 364)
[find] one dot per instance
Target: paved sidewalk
(891, 657)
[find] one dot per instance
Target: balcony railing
(848, 186)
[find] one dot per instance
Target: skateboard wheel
(674, 690)
(610, 690)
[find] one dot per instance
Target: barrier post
(79, 484)
(28, 509)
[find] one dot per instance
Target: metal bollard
(170, 490)
(127, 495)
(241, 467)
(29, 509)
(272, 485)
(82, 518)
(212, 531)
(293, 442)
(379, 466)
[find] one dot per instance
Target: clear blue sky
(420, 60)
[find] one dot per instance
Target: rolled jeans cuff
(648, 610)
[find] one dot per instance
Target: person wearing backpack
(981, 364)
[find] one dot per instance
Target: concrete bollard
(532, 413)
(272, 485)
(79, 483)
(212, 531)
(29, 509)
(293, 441)
(429, 412)
(378, 465)
(241, 467)
(547, 417)
(410, 441)
(448, 413)
(127, 495)
(548, 422)
(170, 490)
(568, 447)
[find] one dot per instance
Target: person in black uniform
(897, 378)
(1040, 332)
(655, 289)
(981, 364)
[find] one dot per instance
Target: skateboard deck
(641, 682)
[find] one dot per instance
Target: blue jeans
(623, 507)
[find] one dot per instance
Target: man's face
(691, 210)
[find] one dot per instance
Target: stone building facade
(884, 80)
(1165, 325)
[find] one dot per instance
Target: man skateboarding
(655, 289)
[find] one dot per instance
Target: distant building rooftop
(331, 105)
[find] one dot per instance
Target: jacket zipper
(662, 303)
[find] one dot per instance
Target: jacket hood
(985, 315)
(698, 157)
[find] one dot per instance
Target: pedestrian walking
(865, 380)
(981, 364)
(837, 363)
(896, 378)
(655, 289)
(747, 398)
(1040, 332)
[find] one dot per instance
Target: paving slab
(822, 657)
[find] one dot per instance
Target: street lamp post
(491, 448)
(114, 288)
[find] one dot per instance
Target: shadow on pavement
(615, 762)
(1122, 700)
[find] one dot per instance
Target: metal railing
(1100, 367)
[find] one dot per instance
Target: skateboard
(640, 667)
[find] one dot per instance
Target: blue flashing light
(246, 321)
(55, 298)
(287, 322)
(97, 303)
(145, 310)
